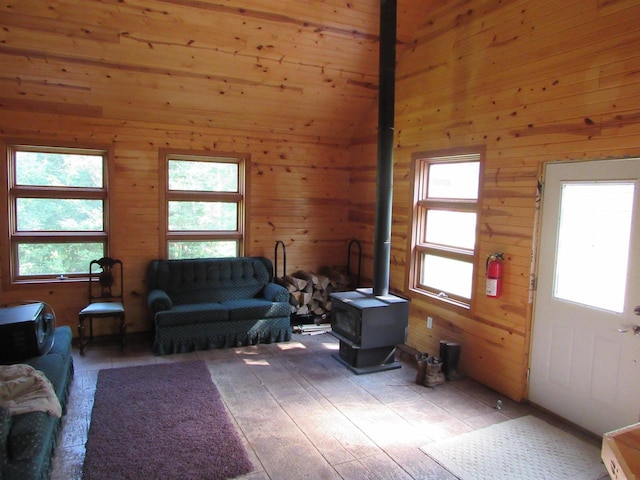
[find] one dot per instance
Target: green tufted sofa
(27, 440)
(202, 304)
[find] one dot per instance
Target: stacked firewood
(309, 292)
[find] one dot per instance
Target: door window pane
(593, 243)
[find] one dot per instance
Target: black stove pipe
(386, 107)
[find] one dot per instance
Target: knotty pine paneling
(362, 212)
(302, 204)
(532, 82)
(290, 68)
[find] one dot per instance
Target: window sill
(448, 301)
(52, 280)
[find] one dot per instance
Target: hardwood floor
(302, 414)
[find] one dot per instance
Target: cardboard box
(621, 453)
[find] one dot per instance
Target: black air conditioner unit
(25, 331)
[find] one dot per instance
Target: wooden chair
(106, 299)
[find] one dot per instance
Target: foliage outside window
(56, 210)
(204, 206)
(445, 220)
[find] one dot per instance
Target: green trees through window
(205, 200)
(58, 204)
(57, 210)
(64, 169)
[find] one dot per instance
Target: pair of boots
(450, 355)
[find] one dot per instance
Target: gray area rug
(525, 448)
(161, 421)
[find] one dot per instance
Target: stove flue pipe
(386, 113)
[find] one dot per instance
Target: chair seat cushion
(102, 308)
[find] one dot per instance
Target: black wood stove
(370, 323)
(369, 328)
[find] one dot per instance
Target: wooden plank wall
(204, 63)
(532, 82)
(297, 192)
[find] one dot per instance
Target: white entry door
(585, 347)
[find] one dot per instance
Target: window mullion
(218, 235)
(55, 237)
(56, 192)
(452, 253)
(442, 204)
(225, 197)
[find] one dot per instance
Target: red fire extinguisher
(494, 274)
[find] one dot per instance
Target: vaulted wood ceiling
(288, 67)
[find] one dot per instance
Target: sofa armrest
(275, 293)
(159, 300)
(5, 428)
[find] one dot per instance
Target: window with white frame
(57, 210)
(445, 226)
(205, 206)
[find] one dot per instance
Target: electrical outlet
(429, 322)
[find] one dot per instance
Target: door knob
(635, 329)
(637, 310)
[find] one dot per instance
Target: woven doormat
(525, 448)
